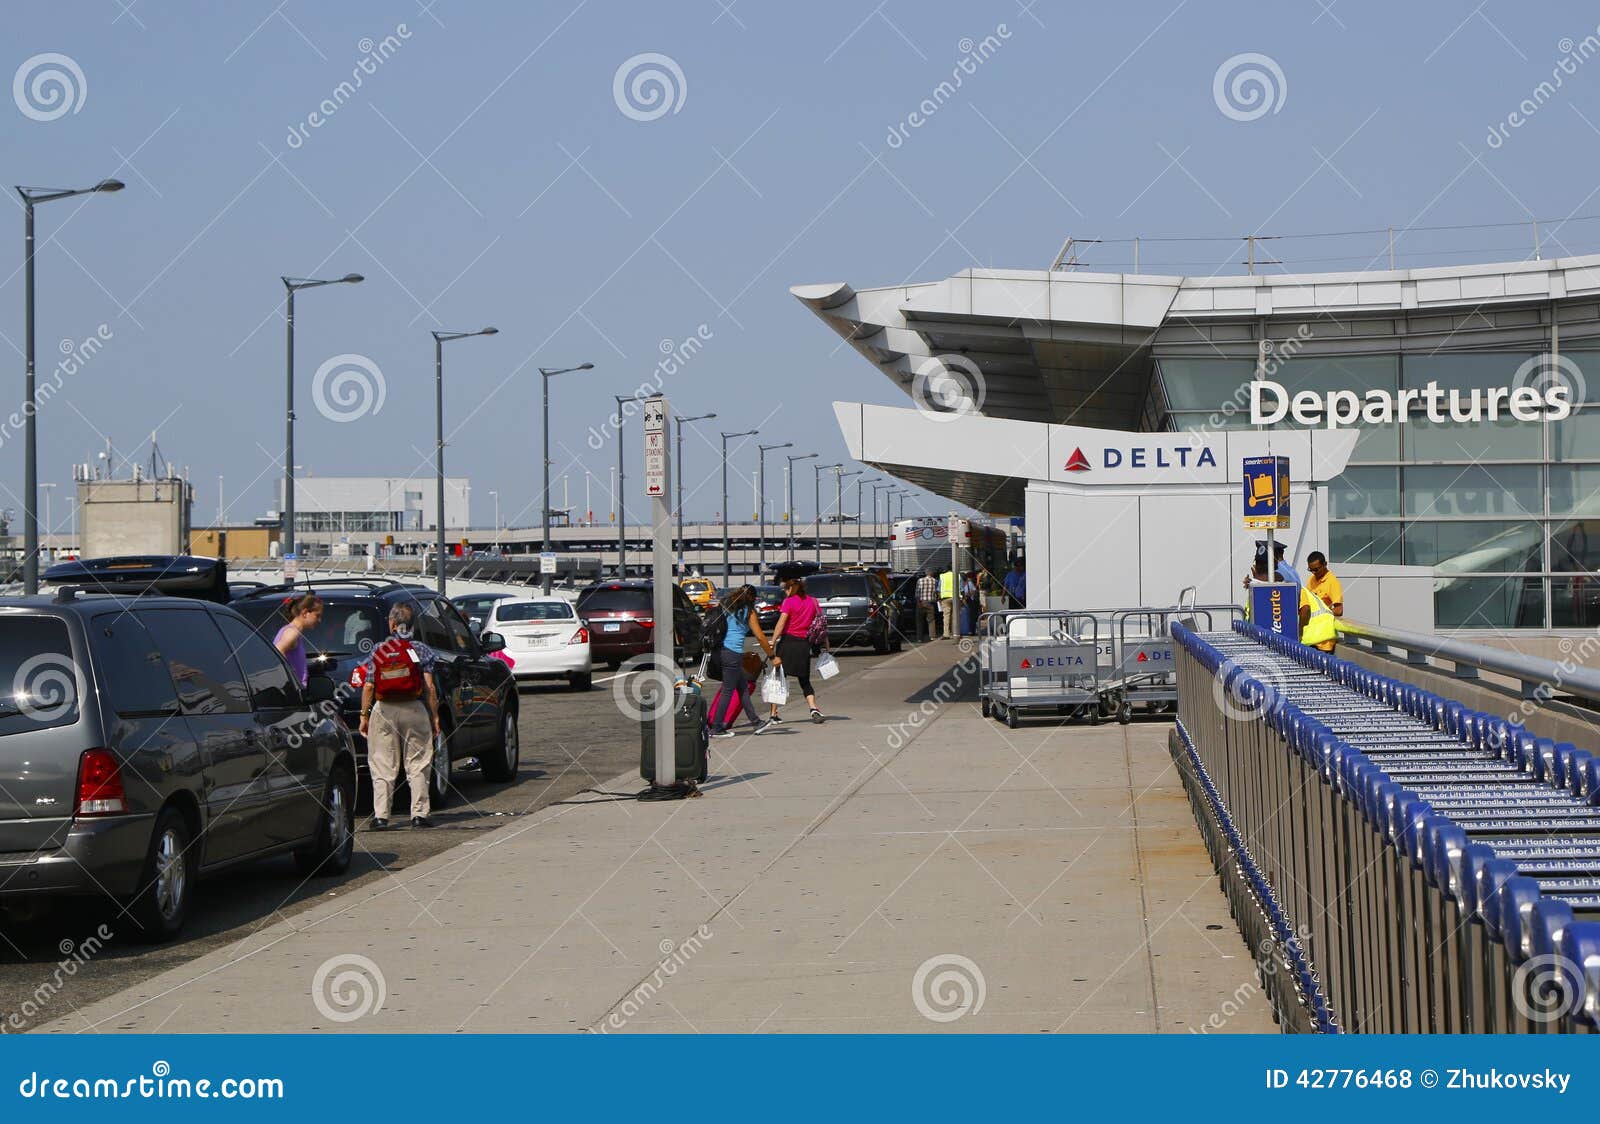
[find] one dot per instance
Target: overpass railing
(1396, 860)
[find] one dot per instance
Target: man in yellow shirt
(1321, 602)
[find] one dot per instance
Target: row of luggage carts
(1398, 862)
(1088, 664)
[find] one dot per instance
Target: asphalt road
(570, 742)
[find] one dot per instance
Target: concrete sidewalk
(885, 871)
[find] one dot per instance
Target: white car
(545, 639)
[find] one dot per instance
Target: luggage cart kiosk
(1039, 659)
(1141, 670)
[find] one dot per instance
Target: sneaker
(378, 823)
(775, 720)
(762, 727)
(816, 716)
(421, 821)
(722, 733)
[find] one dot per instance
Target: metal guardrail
(1538, 677)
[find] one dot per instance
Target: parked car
(769, 599)
(150, 740)
(621, 620)
(699, 590)
(477, 695)
(904, 590)
(545, 639)
(858, 610)
(475, 606)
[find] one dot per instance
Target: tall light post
(677, 471)
(761, 502)
(495, 496)
(839, 476)
(31, 196)
(547, 373)
(617, 493)
(726, 569)
(291, 286)
(790, 510)
(859, 485)
(439, 340)
(816, 486)
(49, 524)
(886, 486)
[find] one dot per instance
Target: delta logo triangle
(1077, 462)
(1026, 664)
(1142, 658)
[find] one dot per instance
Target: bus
(924, 541)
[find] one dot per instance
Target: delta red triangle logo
(1026, 664)
(1142, 658)
(1077, 462)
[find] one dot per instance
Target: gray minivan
(145, 741)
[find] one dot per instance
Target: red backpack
(396, 670)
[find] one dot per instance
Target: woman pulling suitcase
(739, 612)
(792, 636)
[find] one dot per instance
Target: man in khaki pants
(399, 719)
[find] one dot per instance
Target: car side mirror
(319, 689)
(491, 642)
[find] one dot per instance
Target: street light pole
(761, 502)
(439, 340)
(816, 486)
(622, 504)
(31, 196)
(726, 566)
(292, 285)
(859, 484)
(792, 460)
(678, 480)
(494, 495)
(838, 486)
(547, 373)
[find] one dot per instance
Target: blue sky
(485, 173)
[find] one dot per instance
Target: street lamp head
(352, 279)
(584, 367)
(489, 332)
(110, 185)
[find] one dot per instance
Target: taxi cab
(699, 590)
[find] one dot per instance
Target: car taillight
(580, 637)
(645, 622)
(100, 791)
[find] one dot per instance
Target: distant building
(138, 516)
(376, 505)
(232, 543)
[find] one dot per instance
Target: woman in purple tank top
(304, 613)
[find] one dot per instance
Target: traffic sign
(1266, 493)
(547, 562)
(655, 447)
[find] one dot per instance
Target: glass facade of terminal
(1508, 513)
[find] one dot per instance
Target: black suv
(149, 740)
(858, 609)
(622, 620)
(477, 693)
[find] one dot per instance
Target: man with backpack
(399, 718)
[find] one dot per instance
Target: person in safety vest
(1323, 583)
(1317, 629)
(947, 603)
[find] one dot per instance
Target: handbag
(827, 666)
(774, 687)
(752, 664)
(817, 631)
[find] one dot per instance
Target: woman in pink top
(796, 613)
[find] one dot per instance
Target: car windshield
(36, 659)
(769, 595)
(609, 600)
(533, 611)
(346, 629)
(824, 586)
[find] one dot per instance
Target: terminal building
(1031, 384)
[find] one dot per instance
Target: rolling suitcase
(691, 740)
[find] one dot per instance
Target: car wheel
(501, 763)
(581, 680)
(330, 852)
(439, 775)
(161, 906)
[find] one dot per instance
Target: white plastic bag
(827, 666)
(774, 687)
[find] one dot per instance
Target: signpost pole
(657, 483)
